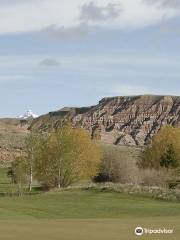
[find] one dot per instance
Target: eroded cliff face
(120, 120)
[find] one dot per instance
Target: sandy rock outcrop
(120, 120)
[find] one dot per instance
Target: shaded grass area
(5, 182)
(7, 188)
(85, 204)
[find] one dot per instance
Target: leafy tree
(66, 156)
(32, 144)
(164, 150)
(169, 158)
(19, 172)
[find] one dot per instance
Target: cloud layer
(174, 4)
(49, 62)
(67, 16)
(92, 12)
(73, 32)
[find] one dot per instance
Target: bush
(152, 177)
(145, 191)
(117, 165)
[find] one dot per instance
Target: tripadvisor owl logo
(139, 231)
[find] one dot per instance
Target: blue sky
(73, 53)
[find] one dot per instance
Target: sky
(56, 53)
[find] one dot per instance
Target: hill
(118, 120)
(12, 133)
(130, 120)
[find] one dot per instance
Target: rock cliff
(125, 120)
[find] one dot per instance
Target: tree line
(56, 158)
(163, 154)
(60, 157)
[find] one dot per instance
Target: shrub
(153, 177)
(117, 165)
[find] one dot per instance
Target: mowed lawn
(80, 204)
(84, 204)
(87, 229)
(84, 215)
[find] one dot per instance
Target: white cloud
(26, 16)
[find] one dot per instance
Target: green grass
(84, 215)
(84, 204)
(5, 183)
(92, 203)
(6, 186)
(86, 229)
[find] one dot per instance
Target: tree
(19, 172)
(32, 144)
(169, 158)
(66, 156)
(164, 150)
